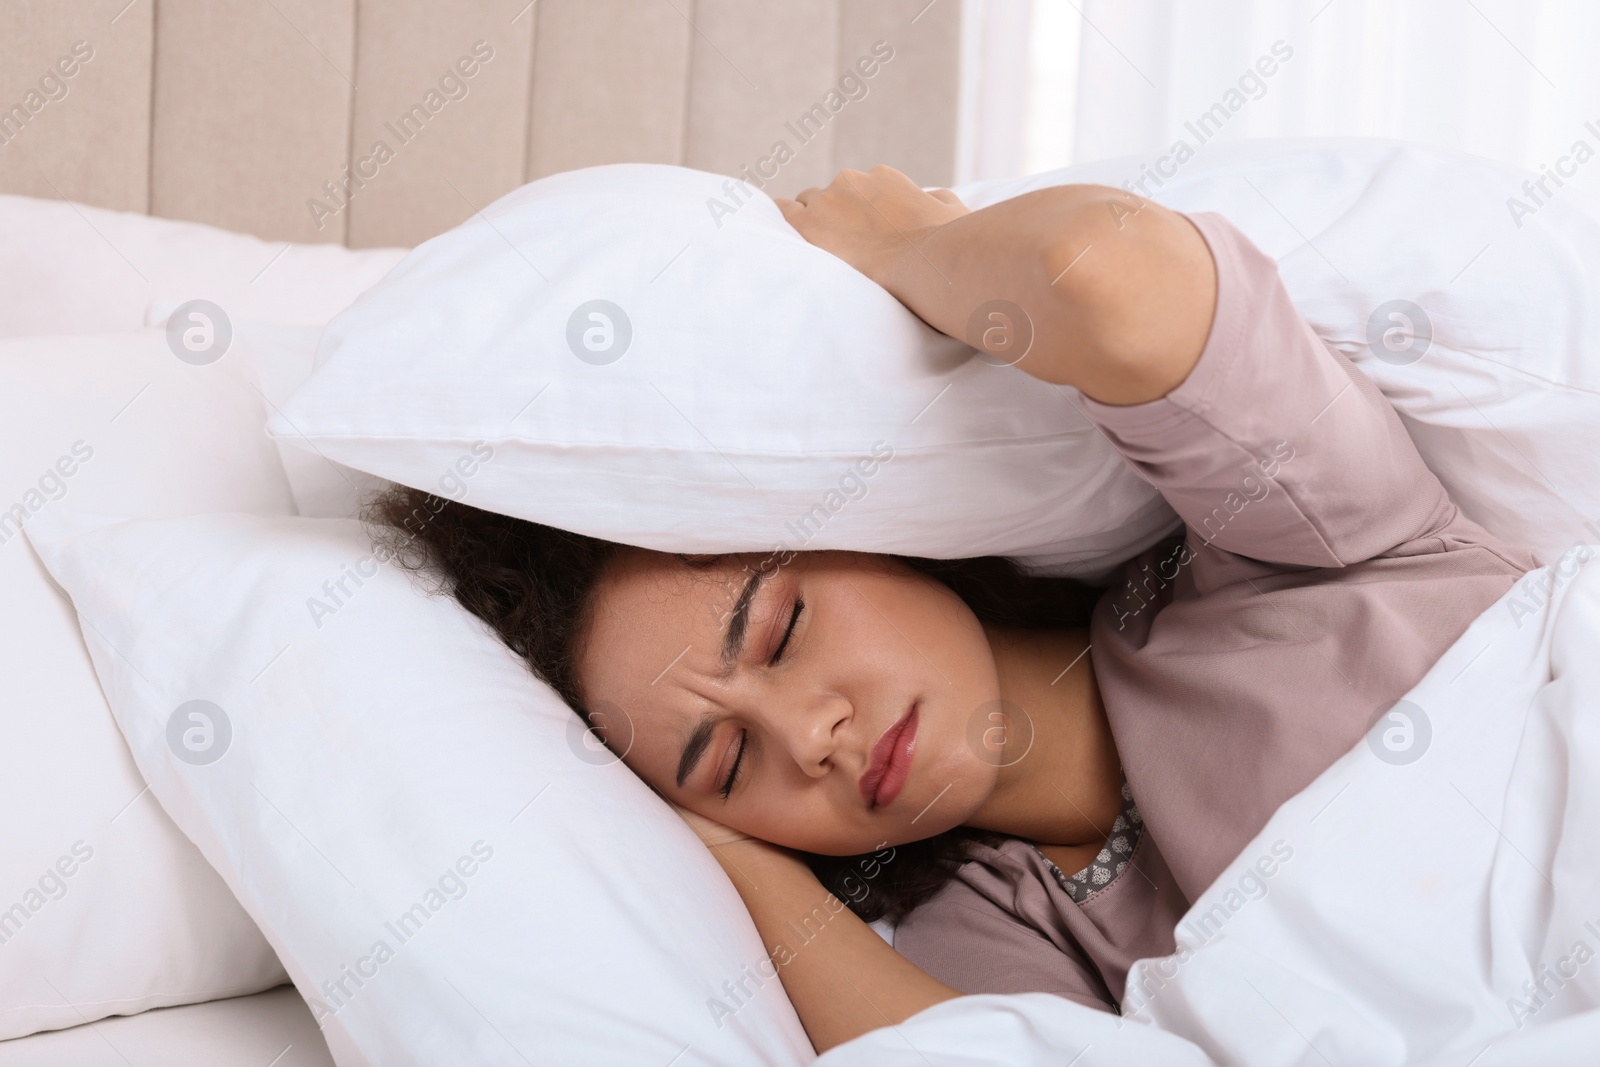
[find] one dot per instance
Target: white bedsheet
(1436, 905)
(236, 1032)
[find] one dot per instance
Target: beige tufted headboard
(384, 122)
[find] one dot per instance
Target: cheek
(939, 653)
(795, 826)
(909, 637)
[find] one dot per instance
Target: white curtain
(1051, 82)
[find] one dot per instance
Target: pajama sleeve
(1275, 446)
(966, 941)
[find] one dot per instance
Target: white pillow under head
(450, 869)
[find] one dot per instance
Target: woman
(1037, 792)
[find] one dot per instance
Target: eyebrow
(732, 645)
(699, 740)
(739, 620)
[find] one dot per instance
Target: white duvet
(1432, 899)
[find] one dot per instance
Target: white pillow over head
(657, 358)
(105, 907)
(754, 371)
(449, 870)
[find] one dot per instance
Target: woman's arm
(842, 978)
(845, 980)
(1118, 291)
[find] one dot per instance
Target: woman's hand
(710, 831)
(870, 219)
(737, 852)
(825, 977)
(1098, 289)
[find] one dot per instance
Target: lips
(890, 765)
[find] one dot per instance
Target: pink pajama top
(1321, 571)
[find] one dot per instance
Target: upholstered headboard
(247, 113)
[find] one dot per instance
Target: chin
(935, 807)
(917, 833)
(834, 847)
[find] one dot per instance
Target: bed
(272, 1027)
(1492, 364)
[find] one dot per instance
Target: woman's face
(871, 640)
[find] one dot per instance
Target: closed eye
(794, 617)
(733, 772)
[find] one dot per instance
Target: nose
(810, 728)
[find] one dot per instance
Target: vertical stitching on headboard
(840, 18)
(688, 85)
(350, 112)
(150, 142)
(527, 96)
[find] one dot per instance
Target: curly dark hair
(533, 585)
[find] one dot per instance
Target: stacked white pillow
(105, 907)
(77, 269)
(278, 356)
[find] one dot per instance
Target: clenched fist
(870, 219)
